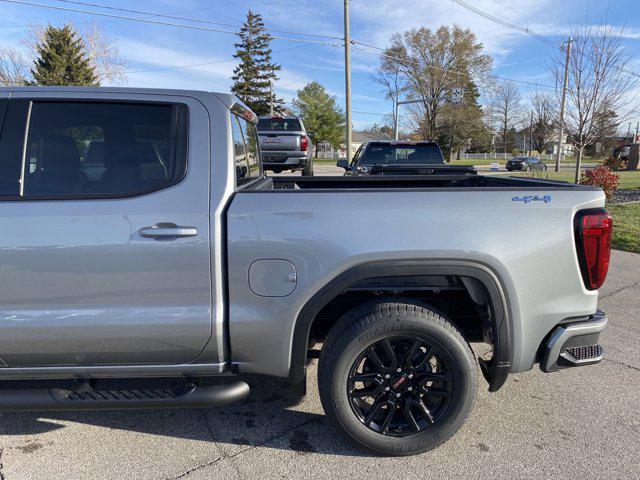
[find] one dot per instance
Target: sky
(172, 57)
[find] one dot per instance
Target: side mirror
(343, 163)
(311, 133)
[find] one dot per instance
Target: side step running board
(187, 396)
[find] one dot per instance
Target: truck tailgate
(279, 141)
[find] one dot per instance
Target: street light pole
(562, 104)
(396, 108)
(271, 97)
(347, 75)
(531, 134)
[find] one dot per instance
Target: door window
(239, 152)
(251, 142)
(81, 150)
(245, 147)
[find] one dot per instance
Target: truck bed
(404, 182)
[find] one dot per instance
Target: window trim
(249, 180)
(181, 127)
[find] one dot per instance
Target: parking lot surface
(580, 423)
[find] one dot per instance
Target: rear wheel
(396, 378)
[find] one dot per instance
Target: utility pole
(635, 140)
(531, 134)
(347, 75)
(560, 152)
(271, 97)
(628, 132)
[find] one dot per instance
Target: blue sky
(150, 48)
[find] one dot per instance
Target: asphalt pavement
(579, 423)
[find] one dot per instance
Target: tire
(448, 399)
(307, 171)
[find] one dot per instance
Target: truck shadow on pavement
(272, 417)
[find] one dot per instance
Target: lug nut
(411, 375)
(397, 395)
(387, 376)
(421, 395)
(386, 389)
(410, 389)
(399, 370)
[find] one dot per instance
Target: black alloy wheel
(396, 377)
(399, 386)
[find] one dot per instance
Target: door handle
(168, 231)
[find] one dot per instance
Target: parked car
(285, 144)
(526, 164)
(396, 158)
(176, 262)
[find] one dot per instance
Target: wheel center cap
(398, 382)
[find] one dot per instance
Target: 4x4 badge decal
(532, 198)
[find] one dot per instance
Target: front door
(104, 233)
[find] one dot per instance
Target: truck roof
(226, 98)
(400, 143)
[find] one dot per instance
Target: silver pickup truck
(285, 145)
(140, 239)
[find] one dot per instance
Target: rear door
(104, 209)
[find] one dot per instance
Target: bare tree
(598, 83)
(544, 113)
(430, 63)
(14, 69)
(102, 50)
(507, 109)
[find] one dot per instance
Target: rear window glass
(402, 155)
(279, 124)
(84, 149)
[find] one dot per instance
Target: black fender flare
(496, 370)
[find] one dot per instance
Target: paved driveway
(581, 423)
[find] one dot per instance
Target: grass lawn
(325, 161)
(628, 180)
(626, 226)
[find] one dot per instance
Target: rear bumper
(283, 159)
(575, 344)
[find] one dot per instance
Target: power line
(527, 30)
(506, 23)
(186, 19)
(371, 113)
(158, 22)
(304, 75)
(212, 62)
(172, 13)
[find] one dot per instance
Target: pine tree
(252, 78)
(63, 60)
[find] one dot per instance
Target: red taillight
(594, 244)
(304, 143)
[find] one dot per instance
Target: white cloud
(391, 16)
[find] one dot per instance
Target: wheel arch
(479, 279)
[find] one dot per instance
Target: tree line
(421, 64)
